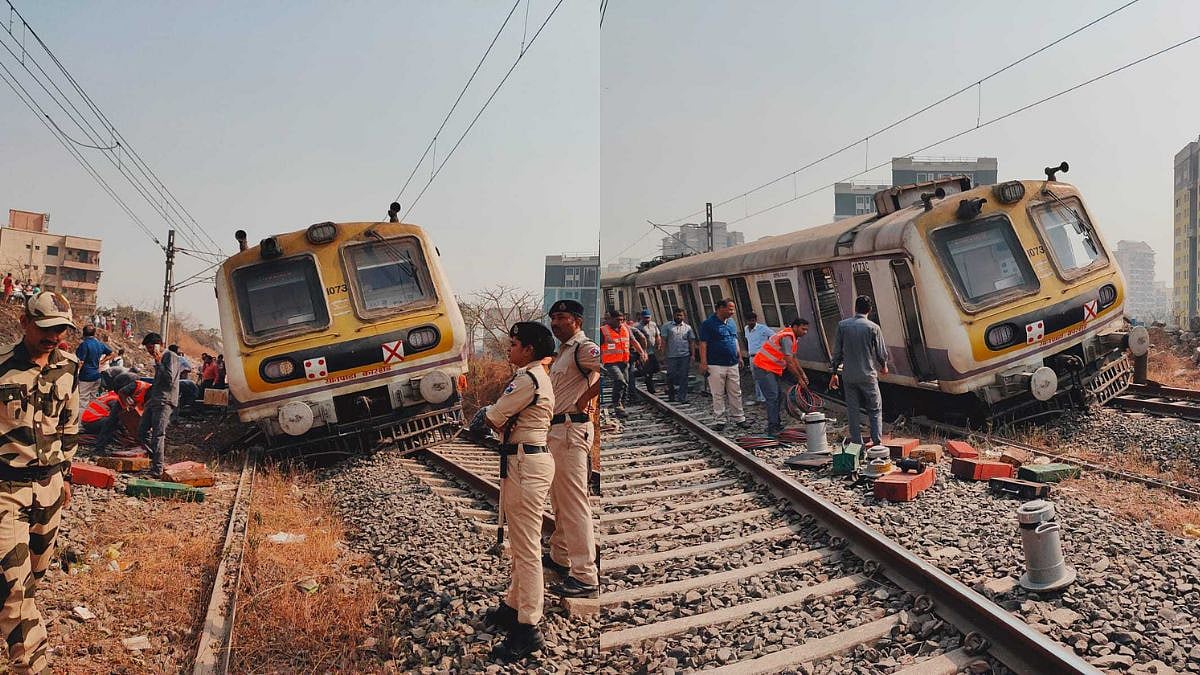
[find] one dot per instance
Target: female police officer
(522, 417)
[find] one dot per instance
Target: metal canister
(814, 429)
(1041, 539)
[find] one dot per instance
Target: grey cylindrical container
(1041, 539)
(814, 431)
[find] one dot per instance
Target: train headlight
(279, 369)
(1007, 193)
(421, 338)
(1001, 335)
(1108, 295)
(436, 387)
(321, 233)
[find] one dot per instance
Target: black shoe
(671, 398)
(620, 412)
(719, 426)
(574, 588)
(502, 617)
(523, 640)
(744, 424)
(550, 564)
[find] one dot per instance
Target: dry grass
(486, 378)
(281, 628)
(1137, 503)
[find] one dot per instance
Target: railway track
(710, 550)
(1173, 402)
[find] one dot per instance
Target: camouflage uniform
(39, 427)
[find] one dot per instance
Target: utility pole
(166, 310)
(708, 216)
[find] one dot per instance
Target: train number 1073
(335, 289)
(1035, 251)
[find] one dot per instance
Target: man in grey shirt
(678, 339)
(161, 401)
(858, 347)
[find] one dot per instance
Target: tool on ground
(1041, 540)
(910, 464)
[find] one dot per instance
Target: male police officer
(39, 422)
(575, 375)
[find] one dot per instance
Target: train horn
(1052, 170)
(240, 235)
(393, 212)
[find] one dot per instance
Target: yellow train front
(341, 335)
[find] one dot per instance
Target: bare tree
(490, 312)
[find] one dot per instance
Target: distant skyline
(271, 120)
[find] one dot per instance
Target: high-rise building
(57, 262)
(908, 170)
(693, 238)
(621, 266)
(852, 199)
(1187, 187)
(1142, 295)
(575, 276)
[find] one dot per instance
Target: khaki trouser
(523, 495)
(29, 518)
(725, 385)
(574, 541)
(87, 392)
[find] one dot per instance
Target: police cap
(49, 309)
(569, 306)
(536, 335)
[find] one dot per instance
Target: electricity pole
(708, 216)
(166, 307)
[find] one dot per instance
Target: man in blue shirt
(93, 355)
(720, 358)
(756, 335)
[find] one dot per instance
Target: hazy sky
(271, 116)
(703, 100)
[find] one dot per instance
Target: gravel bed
(439, 576)
(1168, 444)
(682, 518)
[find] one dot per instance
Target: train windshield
(985, 260)
(280, 296)
(1072, 240)
(389, 275)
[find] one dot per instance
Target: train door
(670, 303)
(741, 295)
(778, 300)
(641, 295)
(823, 286)
(655, 305)
(910, 312)
(689, 306)
(862, 286)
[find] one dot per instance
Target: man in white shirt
(756, 335)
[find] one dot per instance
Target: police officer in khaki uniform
(522, 417)
(576, 377)
(39, 423)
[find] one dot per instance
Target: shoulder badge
(510, 387)
(594, 351)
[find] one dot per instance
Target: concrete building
(693, 238)
(852, 199)
(1144, 299)
(621, 265)
(908, 170)
(1187, 196)
(58, 262)
(575, 276)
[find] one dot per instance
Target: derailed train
(1004, 298)
(341, 334)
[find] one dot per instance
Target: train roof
(859, 235)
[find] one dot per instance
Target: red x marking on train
(393, 351)
(1090, 309)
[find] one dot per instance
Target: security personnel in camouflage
(39, 426)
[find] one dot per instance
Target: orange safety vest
(770, 357)
(98, 408)
(616, 345)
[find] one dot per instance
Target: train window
(985, 260)
(642, 300)
(389, 275)
(829, 311)
(786, 299)
(280, 296)
(770, 311)
(706, 300)
(1072, 240)
(862, 286)
(670, 302)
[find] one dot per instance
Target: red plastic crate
(904, 487)
(980, 469)
(961, 449)
(90, 474)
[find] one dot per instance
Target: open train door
(910, 312)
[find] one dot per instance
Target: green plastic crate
(1047, 473)
(846, 461)
(138, 487)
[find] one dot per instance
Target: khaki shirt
(533, 421)
(39, 408)
(575, 359)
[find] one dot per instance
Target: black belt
(509, 449)
(574, 417)
(30, 474)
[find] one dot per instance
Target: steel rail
(216, 640)
(1090, 466)
(1182, 410)
(484, 486)
(1156, 389)
(1012, 641)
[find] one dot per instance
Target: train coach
(342, 334)
(1003, 298)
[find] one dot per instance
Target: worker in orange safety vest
(616, 342)
(778, 356)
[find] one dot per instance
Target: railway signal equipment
(1041, 540)
(846, 460)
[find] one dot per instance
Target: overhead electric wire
(453, 106)
(978, 125)
(902, 120)
(486, 103)
(33, 106)
(124, 144)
